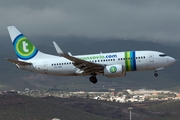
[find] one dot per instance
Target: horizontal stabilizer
(18, 62)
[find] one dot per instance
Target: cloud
(153, 20)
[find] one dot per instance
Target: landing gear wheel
(155, 74)
(93, 79)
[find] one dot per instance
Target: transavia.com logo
(24, 49)
(113, 69)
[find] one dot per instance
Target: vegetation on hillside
(29, 108)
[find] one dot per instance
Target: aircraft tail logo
(24, 49)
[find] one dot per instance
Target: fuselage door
(151, 57)
(45, 66)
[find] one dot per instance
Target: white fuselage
(114, 64)
(130, 60)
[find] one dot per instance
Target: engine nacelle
(114, 70)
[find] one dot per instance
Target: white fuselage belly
(131, 61)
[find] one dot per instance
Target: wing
(85, 66)
(18, 62)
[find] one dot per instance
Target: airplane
(114, 64)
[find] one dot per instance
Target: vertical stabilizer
(24, 49)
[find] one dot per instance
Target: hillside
(18, 107)
(27, 108)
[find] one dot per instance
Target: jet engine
(114, 70)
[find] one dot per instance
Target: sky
(129, 19)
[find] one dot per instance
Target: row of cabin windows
(68, 63)
(102, 60)
(142, 57)
(89, 61)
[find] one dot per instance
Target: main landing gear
(93, 79)
(155, 74)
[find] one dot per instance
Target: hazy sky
(150, 19)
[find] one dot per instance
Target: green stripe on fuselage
(129, 61)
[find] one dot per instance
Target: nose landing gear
(155, 74)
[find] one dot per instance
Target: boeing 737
(114, 64)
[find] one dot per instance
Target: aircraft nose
(171, 60)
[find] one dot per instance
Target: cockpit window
(162, 55)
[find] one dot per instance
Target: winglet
(69, 54)
(58, 49)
